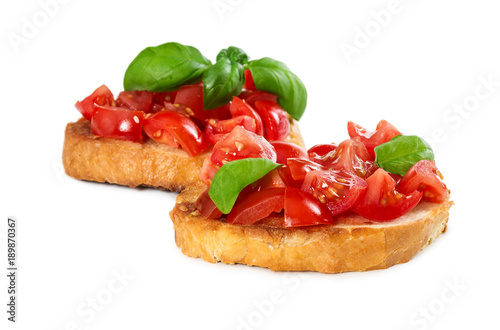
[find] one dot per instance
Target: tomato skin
(117, 123)
(423, 177)
(101, 96)
(276, 124)
(286, 176)
(173, 127)
(317, 151)
(351, 155)
(383, 133)
(285, 150)
(240, 144)
(339, 191)
(192, 97)
(257, 206)
(239, 107)
(302, 209)
(249, 83)
(253, 96)
(135, 100)
(381, 201)
(300, 167)
(208, 171)
(207, 207)
(216, 129)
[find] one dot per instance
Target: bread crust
(352, 244)
(89, 157)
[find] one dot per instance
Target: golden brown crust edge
(88, 157)
(328, 249)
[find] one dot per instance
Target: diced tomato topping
(216, 129)
(339, 191)
(240, 144)
(257, 206)
(423, 176)
(135, 100)
(192, 97)
(239, 107)
(286, 176)
(101, 96)
(384, 133)
(208, 171)
(117, 123)
(249, 83)
(173, 128)
(254, 96)
(318, 151)
(207, 207)
(285, 150)
(302, 209)
(276, 124)
(381, 201)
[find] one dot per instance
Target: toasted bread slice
(353, 244)
(89, 157)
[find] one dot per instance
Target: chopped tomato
(240, 144)
(423, 176)
(173, 128)
(339, 191)
(381, 201)
(162, 97)
(101, 96)
(384, 133)
(192, 97)
(300, 167)
(135, 100)
(257, 206)
(319, 150)
(249, 83)
(216, 129)
(276, 124)
(286, 176)
(117, 123)
(285, 150)
(208, 171)
(270, 180)
(239, 107)
(253, 96)
(207, 207)
(302, 209)
(352, 156)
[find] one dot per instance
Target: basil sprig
(232, 177)
(165, 68)
(276, 78)
(401, 153)
(225, 78)
(169, 66)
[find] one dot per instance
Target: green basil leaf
(232, 177)
(221, 82)
(234, 54)
(274, 77)
(165, 68)
(401, 153)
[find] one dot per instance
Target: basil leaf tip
(402, 152)
(232, 177)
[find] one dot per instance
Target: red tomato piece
(384, 133)
(352, 156)
(285, 150)
(339, 191)
(249, 83)
(239, 107)
(423, 176)
(216, 129)
(302, 209)
(257, 206)
(208, 171)
(286, 176)
(270, 180)
(300, 167)
(117, 123)
(253, 96)
(135, 100)
(101, 96)
(207, 207)
(162, 97)
(276, 124)
(319, 150)
(192, 97)
(381, 201)
(171, 127)
(240, 144)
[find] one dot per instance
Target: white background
(74, 236)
